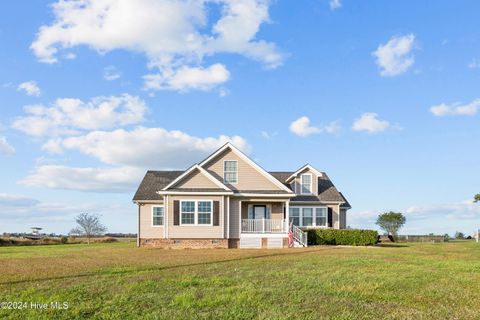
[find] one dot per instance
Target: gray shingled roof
(153, 182)
(156, 180)
(346, 204)
(326, 188)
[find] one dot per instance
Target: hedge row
(351, 237)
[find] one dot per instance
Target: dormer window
(230, 171)
(306, 183)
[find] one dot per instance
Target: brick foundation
(233, 243)
(186, 243)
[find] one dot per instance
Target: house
(229, 201)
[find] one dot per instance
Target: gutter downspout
(138, 228)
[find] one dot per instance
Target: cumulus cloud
(111, 73)
(5, 147)
(395, 57)
(145, 147)
(68, 116)
(369, 122)
(175, 36)
(121, 179)
(335, 4)
(187, 78)
(30, 88)
(301, 127)
(10, 200)
(456, 109)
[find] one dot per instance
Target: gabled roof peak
(203, 171)
(307, 166)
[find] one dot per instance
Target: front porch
(264, 217)
(264, 224)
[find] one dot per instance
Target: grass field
(119, 281)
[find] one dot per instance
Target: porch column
(287, 214)
(240, 217)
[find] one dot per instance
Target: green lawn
(119, 281)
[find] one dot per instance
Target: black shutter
(176, 213)
(216, 213)
(329, 218)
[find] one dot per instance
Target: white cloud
(111, 73)
(268, 135)
(369, 122)
(10, 200)
(333, 127)
(121, 179)
(67, 116)
(5, 147)
(335, 4)
(301, 127)
(474, 64)
(187, 78)
(456, 210)
(395, 57)
(172, 34)
(456, 109)
(145, 147)
(30, 88)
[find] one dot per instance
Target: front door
(259, 212)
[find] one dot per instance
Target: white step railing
(300, 236)
(264, 226)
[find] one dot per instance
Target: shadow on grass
(136, 270)
(392, 245)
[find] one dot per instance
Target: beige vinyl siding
(196, 180)
(197, 231)
(335, 216)
(343, 219)
(277, 210)
(234, 219)
(248, 177)
(297, 182)
(147, 230)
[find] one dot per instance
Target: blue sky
(382, 95)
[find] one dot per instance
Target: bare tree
(88, 225)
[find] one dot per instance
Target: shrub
(63, 240)
(352, 237)
(106, 240)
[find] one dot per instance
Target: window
(313, 216)
(230, 171)
(187, 212)
(321, 217)
(157, 216)
(196, 212)
(295, 216)
(204, 212)
(307, 217)
(306, 184)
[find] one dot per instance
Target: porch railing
(300, 236)
(264, 226)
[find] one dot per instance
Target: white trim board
(203, 171)
(249, 161)
(307, 166)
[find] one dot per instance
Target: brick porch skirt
(190, 243)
